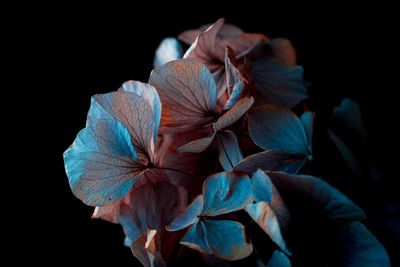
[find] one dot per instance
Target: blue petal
(195, 238)
(272, 160)
(149, 93)
(328, 201)
(226, 192)
(227, 239)
(359, 247)
(307, 119)
(229, 151)
(261, 186)
(277, 84)
(168, 50)
(264, 190)
(279, 259)
(135, 112)
(189, 216)
(277, 128)
(101, 164)
(264, 216)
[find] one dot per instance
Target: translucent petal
(226, 192)
(149, 93)
(198, 145)
(136, 113)
(102, 164)
(233, 114)
(188, 93)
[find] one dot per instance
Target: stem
(223, 146)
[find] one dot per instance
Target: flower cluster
(209, 159)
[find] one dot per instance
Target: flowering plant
(213, 159)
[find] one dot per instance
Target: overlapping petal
(222, 193)
(276, 83)
(226, 192)
(151, 208)
(287, 139)
(210, 46)
(101, 164)
(359, 247)
(188, 93)
(330, 202)
(168, 50)
(117, 145)
(264, 216)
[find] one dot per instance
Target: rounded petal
(327, 200)
(227, 239)
(224, 239)
(151, 207)
(102, 164)
(168, 50)
(282, 50)
(277, 84)
(188, 93)
(149, 93)
(135, 112)
(189, 216)
(226, 192)
(277, 128)
(359, 247)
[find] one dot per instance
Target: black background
(70, 53)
